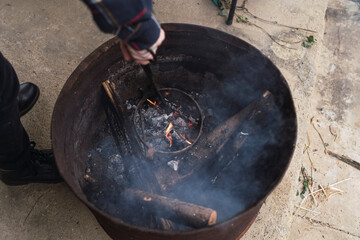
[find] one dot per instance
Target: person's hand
(141, 56)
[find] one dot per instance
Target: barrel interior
(224, 74)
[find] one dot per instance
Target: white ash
(129, 106)
(154, 125)
(161, 119)
(180, 122)
(173, 164)
(115, 158)
(176, 136)
(192, 120)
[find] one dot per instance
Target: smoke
(233, 179)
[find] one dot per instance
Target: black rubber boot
(27, 97)
(39, 168)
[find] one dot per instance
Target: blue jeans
(14, 141)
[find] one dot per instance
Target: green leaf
(243, 19)
(223, 12)
(310, 41)
(306, 185)
(302, 196)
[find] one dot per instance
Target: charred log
(119, 111)
(136, 168)
(213, 143)
(185, 213)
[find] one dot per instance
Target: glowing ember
(151, 102)
(147, 199)
(187, 141)
(168, 134)
(190, 124)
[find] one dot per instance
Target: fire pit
(198, 165)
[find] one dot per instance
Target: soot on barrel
(227, 163)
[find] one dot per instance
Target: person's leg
(14, 141)
(20, 163)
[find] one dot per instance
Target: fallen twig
(302, 201)
(344, 159)
(333, 132)
(331, 185)
(312, 194)
(336, 189)
(270, 36)
(334, 193)
(326, 196)
(330, 190)
(334, 184)
(246, 21)
(243, 8)
(307, 145)
(322, 140)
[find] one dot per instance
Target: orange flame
(190, 124)
(151, 102)
(187, 141)
(167, 133)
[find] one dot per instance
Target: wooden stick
(345, 159)
(312, 194)
(331, 185)
(120, 112)
(187, 213)
(209, 145)
(215, 140)
(223, 132)
(323, 189)
(147, 178)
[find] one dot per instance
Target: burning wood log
(119, 111)
(146, 178)
(239, 139)
(186, 213)
(216, 139)
(211, 144)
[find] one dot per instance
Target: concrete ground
(46, 40)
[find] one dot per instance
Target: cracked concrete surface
(46, 40)
(335, 105)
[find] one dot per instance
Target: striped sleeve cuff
(141, 36)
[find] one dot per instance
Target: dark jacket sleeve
(131, 20)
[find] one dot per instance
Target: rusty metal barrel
(243, 71)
